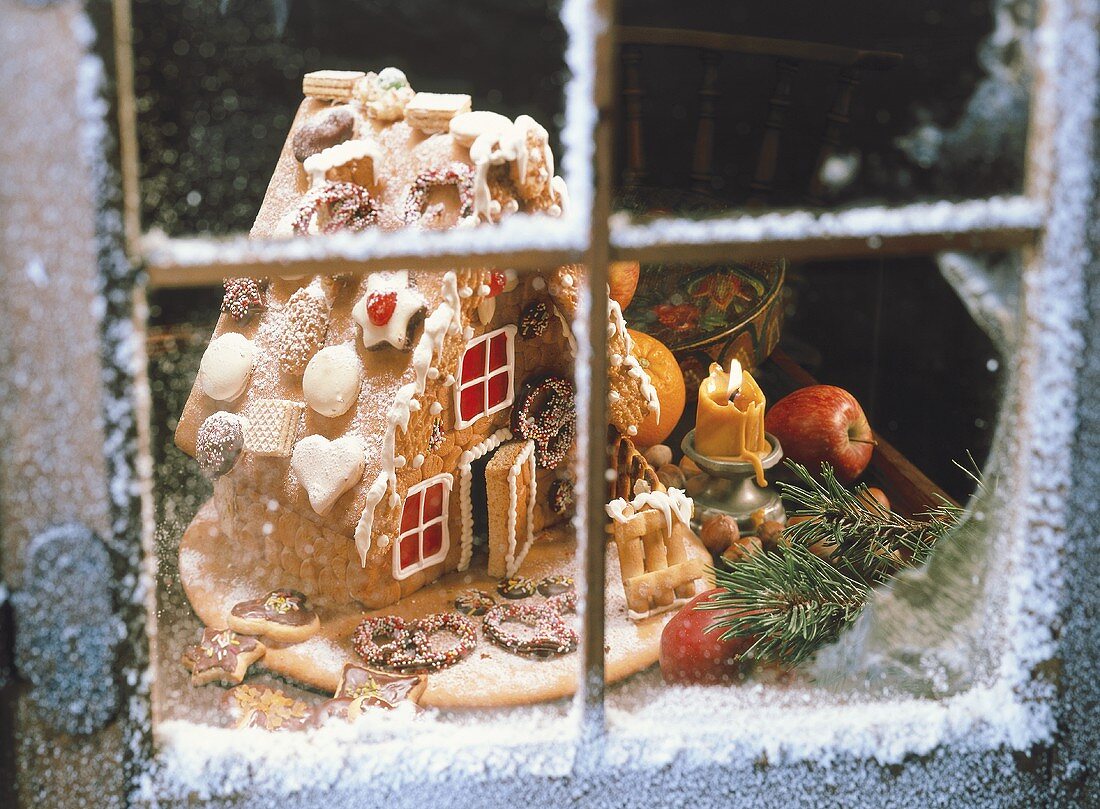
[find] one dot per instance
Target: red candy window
(423, 540)
(485, 376)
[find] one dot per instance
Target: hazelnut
(742, 548)
(671, 476)
(658, 455)
(770, 533)
(689, 467)
(696, 484)
(875, 493)
(718, 532)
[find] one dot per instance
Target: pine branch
(861, 537)
(802, 594)
(789, 600)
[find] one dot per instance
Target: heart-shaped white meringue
(326, 469)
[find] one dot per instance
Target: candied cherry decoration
(496, 283)
(380, 306)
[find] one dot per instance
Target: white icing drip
(567, 331)
(366, 520)
(634, 368)
(435, 409)
(561, 194)
(418, 460)
(465, 476)
(436, 327)
(539, 283)
(526, 457)
(494, 147)
(318, 166)
(486, 309)
(671, 503)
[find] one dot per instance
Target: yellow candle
(729, 421)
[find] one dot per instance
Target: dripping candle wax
(729, 421)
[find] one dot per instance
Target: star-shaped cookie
(389, 311)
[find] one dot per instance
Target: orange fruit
(623, 281)
(664, 372)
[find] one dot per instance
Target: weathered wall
(51, 397)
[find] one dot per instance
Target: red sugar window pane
(410, 550)
(498, 389)
(472, 402)
(433, 501)
(473, 362)
(498, 352)
(410, 514)
(433, 540)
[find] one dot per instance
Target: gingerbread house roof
(505, 172)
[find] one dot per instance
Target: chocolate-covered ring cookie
(551, 635)
(409, 648)
(555, 585)
(516, 587)
(321, 131)
(474, 602)
(282, 616)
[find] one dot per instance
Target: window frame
(1048, 223)
(509, 332)
(446, 479)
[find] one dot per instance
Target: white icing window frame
(510, 359)
(447, 479)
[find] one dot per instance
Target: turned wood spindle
(634, 173)
(778, 105)
(702, 166)
(836, 121)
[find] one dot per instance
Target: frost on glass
(930, 355)
(749, 129)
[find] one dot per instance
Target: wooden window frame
(1047, 223)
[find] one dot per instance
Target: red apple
(823, 423)
(691, 655)
(623, 281)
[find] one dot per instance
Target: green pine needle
(789, 600)
(801, 595)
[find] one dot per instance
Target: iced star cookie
(221, 656)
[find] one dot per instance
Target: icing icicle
(445, 320)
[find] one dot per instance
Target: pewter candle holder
(732, 487)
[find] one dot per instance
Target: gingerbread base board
(489, 677)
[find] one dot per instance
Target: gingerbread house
(359, 429)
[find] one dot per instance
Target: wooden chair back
(789, 56)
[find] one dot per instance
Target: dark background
(218, 85)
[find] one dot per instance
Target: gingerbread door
(510, 488)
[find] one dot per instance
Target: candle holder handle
(732, 489)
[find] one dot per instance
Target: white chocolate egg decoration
(331, 380)
(226, 366)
